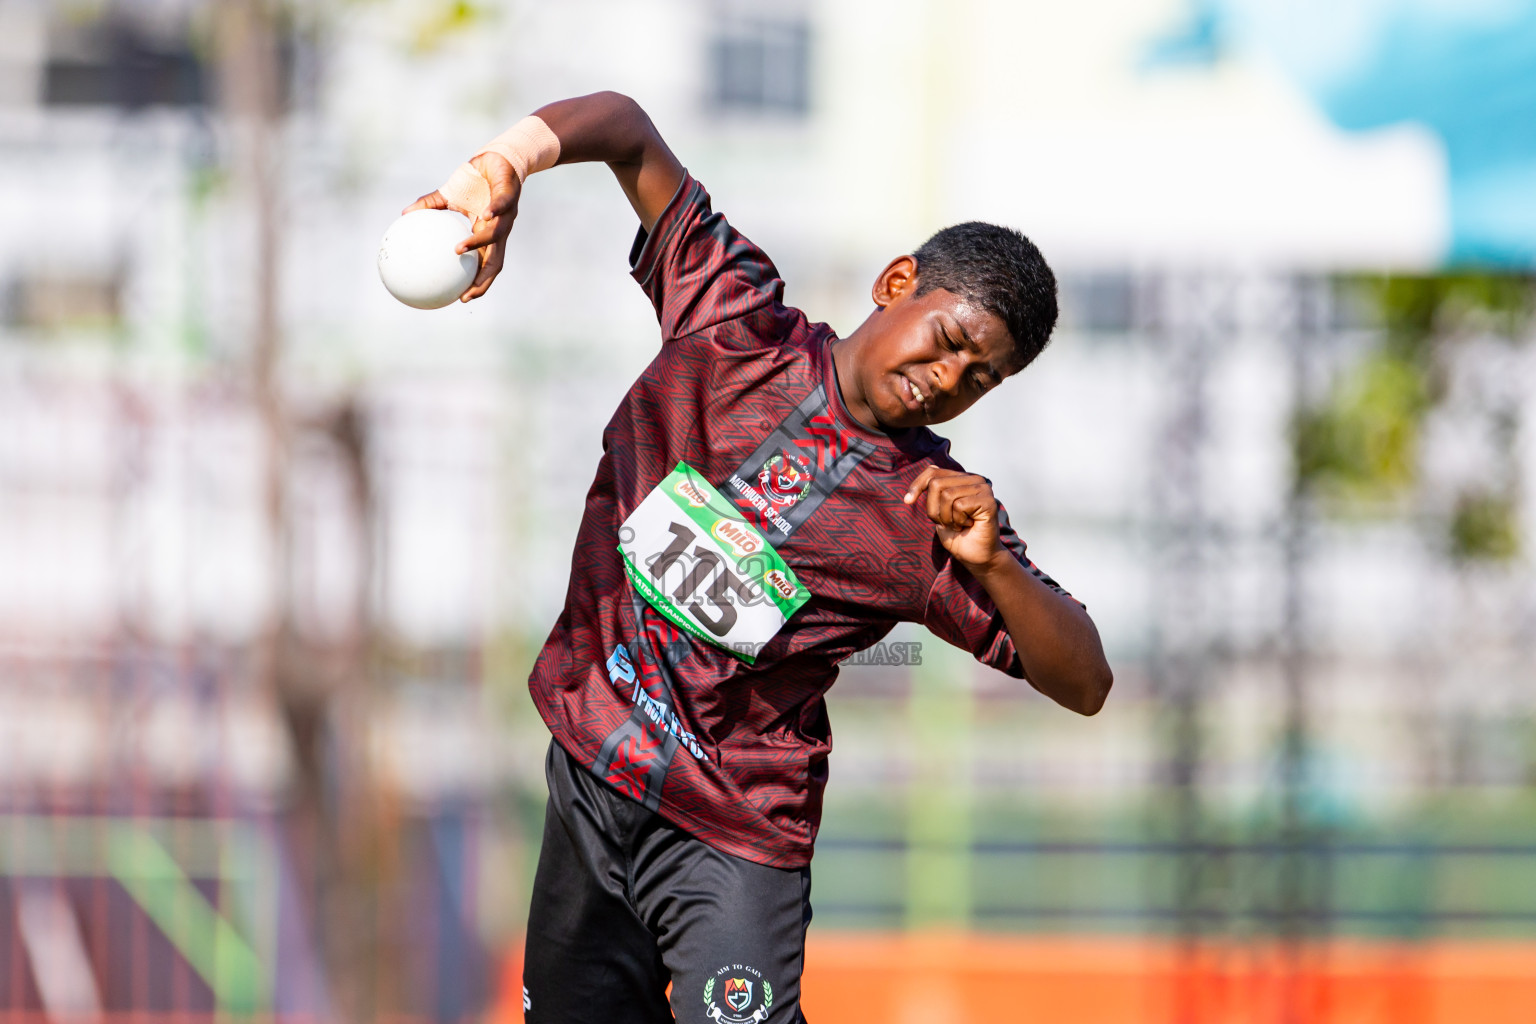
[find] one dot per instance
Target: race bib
(694, 559)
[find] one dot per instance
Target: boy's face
(921, 360)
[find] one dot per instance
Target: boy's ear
(898, 279)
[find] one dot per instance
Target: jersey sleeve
(698, 270)
(959, 610)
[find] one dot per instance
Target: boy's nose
(944, 377)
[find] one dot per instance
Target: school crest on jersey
(795, 468)
(785, 478)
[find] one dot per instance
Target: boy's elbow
(1095, 691)
(625, 106)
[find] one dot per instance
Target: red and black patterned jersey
(744, 391)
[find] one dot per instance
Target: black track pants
(625, 902)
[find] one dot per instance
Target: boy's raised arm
(604, 126)
(611, 127)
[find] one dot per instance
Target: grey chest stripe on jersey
(795, 468)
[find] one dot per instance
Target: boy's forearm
(604, 126)
(1057, 642)
(611, 127)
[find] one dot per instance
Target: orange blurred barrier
(932, 978)
(959, 979)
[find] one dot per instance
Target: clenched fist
(964, 510)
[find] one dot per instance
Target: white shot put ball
(417, 261)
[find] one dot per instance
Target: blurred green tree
(1359, 448)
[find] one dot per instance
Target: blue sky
(1464, 69)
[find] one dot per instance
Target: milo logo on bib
(780, 582)
(695, 560)
(690, 493)
(742, 538)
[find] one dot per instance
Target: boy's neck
(844, 362)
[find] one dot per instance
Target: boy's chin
(900, 419)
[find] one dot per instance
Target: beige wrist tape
(529, 146)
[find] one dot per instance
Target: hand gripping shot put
(771, 500)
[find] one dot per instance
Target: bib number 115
(724, 591)
(707, 570)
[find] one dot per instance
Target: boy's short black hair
(999, 270)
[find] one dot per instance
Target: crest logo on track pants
(738, 994)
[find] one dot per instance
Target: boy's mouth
(913, 396)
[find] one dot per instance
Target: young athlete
(769, 501)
